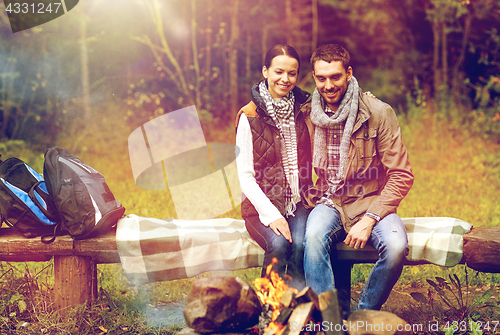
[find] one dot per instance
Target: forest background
(89, 78)
(86, 80)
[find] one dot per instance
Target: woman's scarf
(281, 111)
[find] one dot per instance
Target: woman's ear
(264, 71)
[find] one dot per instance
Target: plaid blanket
(436, 240)
(160, 250)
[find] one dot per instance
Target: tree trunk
(233, 58)
(177, 77)
(289, 21)
(208, 49)
(444, 55)
(194, 46)
(461, 57)
(225, 66)
(85, 72)
(248, 60)
(314, 37)
(187, 54)
(7, 104)
(435, 61)
(265, 30)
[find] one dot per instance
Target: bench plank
(15, 247)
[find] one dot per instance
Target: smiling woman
(281, 75)
(274, 146)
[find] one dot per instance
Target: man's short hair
(330, 53)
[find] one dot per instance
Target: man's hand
(280, 227)
(360, 233)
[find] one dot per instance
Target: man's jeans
(290, 256)
(388, 236)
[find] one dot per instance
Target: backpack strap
(33, 197)
(50, 237)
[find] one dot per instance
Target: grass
(457, 174)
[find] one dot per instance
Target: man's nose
(328, 84)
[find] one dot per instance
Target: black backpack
(82, 197)
(24, 201)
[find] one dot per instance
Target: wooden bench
(75, 262)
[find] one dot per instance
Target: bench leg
(75, 280)
(342, 276)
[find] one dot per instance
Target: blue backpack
(25, 203)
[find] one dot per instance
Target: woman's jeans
(290, 256)
(388, 236)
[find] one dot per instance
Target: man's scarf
(282, 114)
(347, 111)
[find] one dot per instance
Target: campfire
(295, 312)
(270, 290)
(229, 305)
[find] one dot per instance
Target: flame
(270, 289)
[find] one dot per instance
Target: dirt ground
(436, 312)
(400, 302)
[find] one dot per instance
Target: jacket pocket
(366, 146)
(355, 189)
(363, 195)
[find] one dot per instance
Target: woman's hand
(280, 227)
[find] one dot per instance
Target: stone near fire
(369, 322)
(221, 304)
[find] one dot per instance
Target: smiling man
(364, 173)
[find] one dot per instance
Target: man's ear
(264, 71)
(349, 73)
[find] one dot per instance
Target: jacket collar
(363, 112)
(301, 97)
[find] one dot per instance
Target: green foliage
(456, 171)
(460, 304)
(464, 311)
(24, 290)
(486, 118)
(446, 10)
(23, 151)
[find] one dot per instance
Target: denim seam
(263, 238)
(363, 291)
(335, 231)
